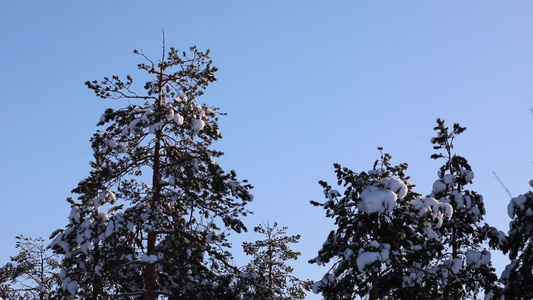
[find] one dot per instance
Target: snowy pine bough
(151, 219)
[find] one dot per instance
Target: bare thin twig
(503, 185)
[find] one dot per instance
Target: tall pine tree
(152, 218)
(464, 268)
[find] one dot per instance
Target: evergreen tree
(273, 279)
(464, 268)
(152, 218)
(518, 275)
(32, 274)
(384, 237)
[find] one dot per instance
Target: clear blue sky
(305, 84)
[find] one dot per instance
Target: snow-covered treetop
(464, 269)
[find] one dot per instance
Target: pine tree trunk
(270, 259)
(152, 236)
(42, 276)
(97, 285)
(156, 188)
(150, 269)
(455, 290)
(374, 290)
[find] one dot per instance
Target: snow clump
(178, 119)
(516, 203)
(367, 258)
(70, 285)
(476, 259)
(456, 265)
(198, 125)
(74, 214)
(326, 280)
(395, 185)
(149, 258)
(438, 210)
(382, 198)
(439, 187)
(375, 199)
